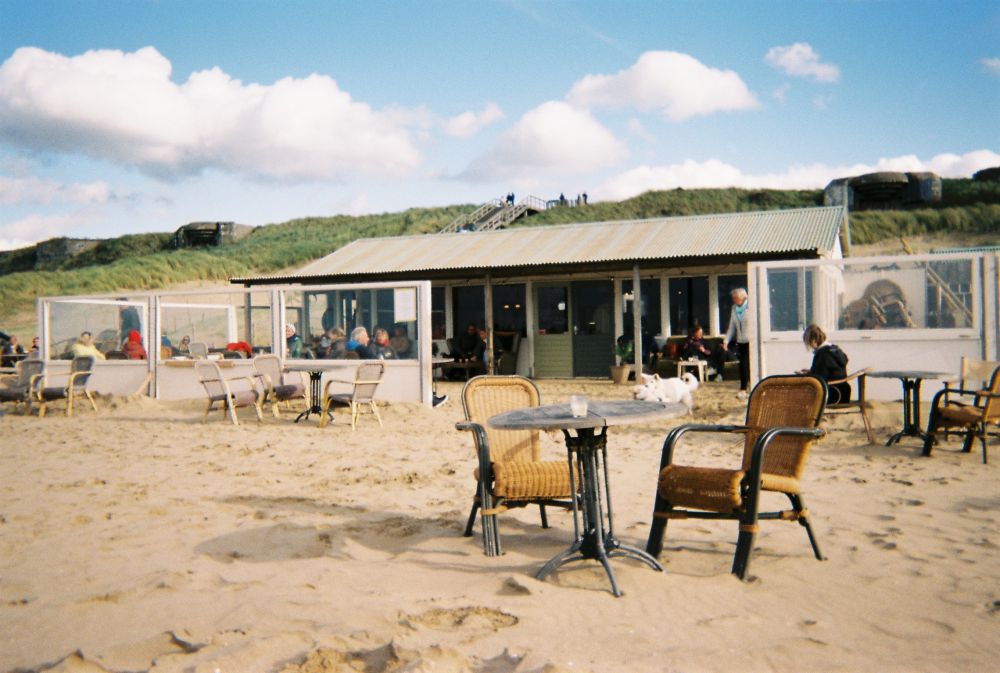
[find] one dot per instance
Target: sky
(131, 116)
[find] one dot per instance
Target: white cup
(578, 405)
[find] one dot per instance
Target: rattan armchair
(366, 379)
(859, 404)
(510, 470)
(80, 371)
(971, 409)
(23, 387)
(232, 393)
(781, 424)
(275, 386)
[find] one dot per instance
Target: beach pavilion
(562, 294)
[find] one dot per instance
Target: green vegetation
(145, 261)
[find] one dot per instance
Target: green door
(593, 327)
(553, 337)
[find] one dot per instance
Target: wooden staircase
(495, 214)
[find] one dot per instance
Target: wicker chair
(23, 388)
(76, 385)
(973, 409)
(366, 379)
(856, 405)
(511, 472)
(233, 393)
(275, 386)
(782, 417)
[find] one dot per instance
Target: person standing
(293, 342)
(740, 327)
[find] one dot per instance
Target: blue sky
(131, 116)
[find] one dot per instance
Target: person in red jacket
(133, 348)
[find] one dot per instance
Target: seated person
(400, 342)
(35, 351)
(12, 352)
(333, 344)
(829, 363)
(85, 346)
(184, 347)
(467, 344)
(383, 350)
(695, 348)
(133, 348)
(293, 342)
(360, 344)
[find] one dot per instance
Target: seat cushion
(714, 489)
(959, 414)
(518, 480)
(289, 391)
(12, 395)
(53, 393)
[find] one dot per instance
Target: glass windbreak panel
(726, 286)
(650, 302)
(469, 307)
(336, 322)
(79, 326)
(509, 314)
(688, 304)
(908, 295)
(552, 310)
(227, 324)
(790, 299)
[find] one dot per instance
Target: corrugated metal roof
(752, 234)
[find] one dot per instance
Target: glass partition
(104, 324)
(333, 323)
(231, 324)
(868, 295)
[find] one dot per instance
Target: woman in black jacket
(829, 363)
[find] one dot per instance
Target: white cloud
(552, 137)
(714, 173)
(470, 123)
(676, 85)
(36, 191)
(800, 60)
(781, 93)
(992, 65)
(123, 107)
(34, 228)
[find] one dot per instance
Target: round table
(315, 369)
(594, 534)
(911, 399)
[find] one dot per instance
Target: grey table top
(320, 365)
(600, 413)
(909, 374)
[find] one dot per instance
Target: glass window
(107, 321)
(650, 291)
(217, 320)
(438, 327)
(552, 310)
(790, 298)
(903, 294)
(469, 306)
(509, 309)
(688, 303)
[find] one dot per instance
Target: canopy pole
(637, 322)
(488, 355)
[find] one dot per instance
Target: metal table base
(315, 397)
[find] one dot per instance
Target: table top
(188, 363)
(320, 365)
(600, 413)
(908, 374)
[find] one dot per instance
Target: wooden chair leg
(69, 402)
(208, 410)
(231, 407)
(868, 425)
(90, 396)
(378, 416)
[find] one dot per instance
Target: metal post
(637, 322)
(488, 355)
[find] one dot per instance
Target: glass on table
(578, 405)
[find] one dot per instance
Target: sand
(140, 539)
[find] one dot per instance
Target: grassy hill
(145, 261)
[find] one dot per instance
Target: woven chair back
(366, 380)
(784, 401)
(976, 374)
(26, 369)
(486, 396)
(991, 402)
(84, 367)
(198, 350)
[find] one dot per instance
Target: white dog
(672, 390)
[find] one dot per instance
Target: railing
(494, 214)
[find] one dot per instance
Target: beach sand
(140, 539)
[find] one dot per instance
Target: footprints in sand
(475, 618)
